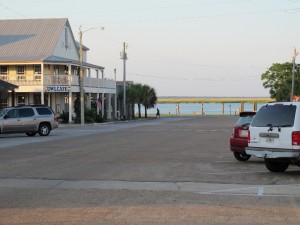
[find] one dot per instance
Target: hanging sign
(57, 89)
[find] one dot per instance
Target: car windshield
(244, 120)
(2, 112)
(275, 115)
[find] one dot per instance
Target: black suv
(30, 119)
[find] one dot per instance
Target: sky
(216, 48)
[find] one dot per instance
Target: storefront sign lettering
(57, 89)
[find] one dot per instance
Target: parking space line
(260, 191)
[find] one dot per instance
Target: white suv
(30, 119)
(274, 135)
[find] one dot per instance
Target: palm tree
(132, 93)
(149, 98)
(139, 100)
(141, 95)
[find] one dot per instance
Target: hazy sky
(180, 47)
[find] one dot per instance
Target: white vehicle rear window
(275, 115)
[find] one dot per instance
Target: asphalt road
(176, 170)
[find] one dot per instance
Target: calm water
(196, 108)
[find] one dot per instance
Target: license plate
(269, 140)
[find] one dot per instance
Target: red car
(239, 137)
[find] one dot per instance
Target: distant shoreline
(162, 100)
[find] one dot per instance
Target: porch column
(42, 84)
(97, 108)
(88, 104)
(109, 107)
(70, 93)
(49, 100)
(103, 104)
(115, 107)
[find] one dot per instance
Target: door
(28, 120)
(11, 121)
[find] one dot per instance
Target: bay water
(196, 108)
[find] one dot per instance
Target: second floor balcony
(48, 80)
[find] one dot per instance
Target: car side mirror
(6, 116)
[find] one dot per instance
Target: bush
(90, 116)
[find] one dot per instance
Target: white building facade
(41, 57)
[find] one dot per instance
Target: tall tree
(141, 95)
(278, 78)
(139, 100)
(149, 98)
(132, 94)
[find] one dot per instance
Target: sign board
(57, 89)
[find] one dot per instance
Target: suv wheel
(276, 166)
(31, 134)
(241, 156)
(44, 129)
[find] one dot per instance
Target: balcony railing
(73, 80)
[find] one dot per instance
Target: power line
(295, 10)
(9, 9)
(213, 79)
(153, 8)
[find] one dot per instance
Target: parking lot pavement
(166, 171)
(76, 130)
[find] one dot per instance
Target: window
(37, 72)
(37, 69)
(36, 99)
(21, 100)
(43, 111)
(275, 115)
(20, 69)
(56, 70)
(66, 70)
(14, 113)
(26, 112)
(3, 70)
(244, 120)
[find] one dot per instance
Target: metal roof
(29, 38)
(5, 86)
(34, 40)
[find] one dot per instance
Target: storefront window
(21, 100)
(37, 99)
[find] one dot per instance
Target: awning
(5, 86)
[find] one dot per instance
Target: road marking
(260, 191)
(290, 190)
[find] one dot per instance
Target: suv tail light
(248, 136)
(296, 138)
(55, 117)
(240, 132)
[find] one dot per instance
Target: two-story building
(41, 57)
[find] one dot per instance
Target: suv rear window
(275, 115)
(44, 111)
(245, 119)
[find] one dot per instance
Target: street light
(293, 74)
(124, 57)
(81, 77)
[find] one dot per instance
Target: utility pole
(81, 75)
(124, 57)
(81, 82)
(293, 74)
(115, 105)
